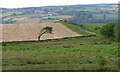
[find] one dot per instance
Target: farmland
(70, 53)
(76, 42)
(71, 47)
(94, 13)
(23, 32)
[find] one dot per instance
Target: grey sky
(36, 3)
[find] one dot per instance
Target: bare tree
(46, 29)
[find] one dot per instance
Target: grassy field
(90, 51)
(75, 28)
(76, 53)
(84, 29)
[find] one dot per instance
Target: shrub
(111, 31)
(97, 28)
(117, 32)
(68, 46)
(101, 61)
(3, 44)
(107, 31)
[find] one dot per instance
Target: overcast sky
(37, 3)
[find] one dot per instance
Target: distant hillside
(93, 13)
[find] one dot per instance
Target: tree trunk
(40, 35)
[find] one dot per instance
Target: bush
(3, 44)
(117, 32)
(111, 31)
(101, 61)
(97, 28)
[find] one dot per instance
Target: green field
(77, 53)
(66, 54)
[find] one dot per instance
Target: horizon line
(57, 5)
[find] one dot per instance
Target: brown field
(24, 32)
(27, 20)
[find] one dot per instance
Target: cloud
(35, 3)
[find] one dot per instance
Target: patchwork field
(81, 39)
(23, 32)
(87, 52)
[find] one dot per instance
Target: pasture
(73, 44)
(76, 53)
(87, 51)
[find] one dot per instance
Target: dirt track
(23, 32)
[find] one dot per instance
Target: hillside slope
(23, 32)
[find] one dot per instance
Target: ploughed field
(25, 32)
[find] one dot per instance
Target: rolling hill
(93, 13)
(23, 32)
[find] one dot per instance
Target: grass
(76, 28)
(95, 28)
(87, 52)
(65, 54)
